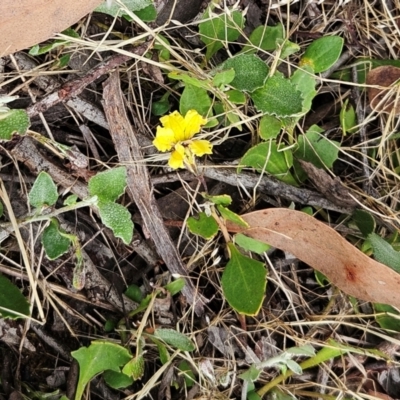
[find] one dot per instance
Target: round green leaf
(268, 156)
(12, 299)
(317, 149)
(305, 82)
(134, 293)
(108, 185)
(223, 77)
(236, 96)
(194, 98)
(44, 191)
(55, 244)
(118, 219)
(278, 96)
(13, 121)
(244, 282)
(269, 127)
(321, 54)
(250, 71)
(387, 321)
(204, 226)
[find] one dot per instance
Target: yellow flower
(176, 134)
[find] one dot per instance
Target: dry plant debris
(198, 120)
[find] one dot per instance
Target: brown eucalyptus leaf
(385, 98)
(325, 250)
(24, 23)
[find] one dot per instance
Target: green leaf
(186, 371)
(70, 200)
(117, 380)
(98, 357)
(231, 216)
(194, 98)
(44, 191)
(13, 121)
(250, 71)
(223, 77)
(279, 96)
(316, 148)
(175, 339)
(384, 252)
(387, 321)
(108, 185)
(365, 222)
(147, 14)
(294, 367)
(118, 219)
(250, 244)
(269, 127)
(135, 367)
(348, 118)
(287, 48)
(176, 286)
(236, 96)
(321, 54)
(162, 350)
(12, 299)
(217, 30)
(244, 282)
(268, 155)
(54, 242)
(205, 226)
(39, 50)
(264, 38)
(134, 293)
(221, 199)
(305, 83)
(189, 79)
(115, 10)
(251, 375)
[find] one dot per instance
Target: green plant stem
(44, 217)
(325, 354)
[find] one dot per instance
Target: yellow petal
(165, 139)
(176, 123)
(177, 157)
(193, 122)
(200, 147)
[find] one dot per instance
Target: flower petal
(177, 157)
(165, 139)
(193, 122)
(200, 147)
(176, 123)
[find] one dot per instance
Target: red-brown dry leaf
(385, 98)
(324, 249)
(24, 23)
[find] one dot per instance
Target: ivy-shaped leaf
(108, 185)
(13, 121)
(250, 71)
(244, 282)
(54, 242)
(279, 96)
(44, 191)
(118, 219)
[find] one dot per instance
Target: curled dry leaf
(324, 249)
(385, 98)
(24, 23)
